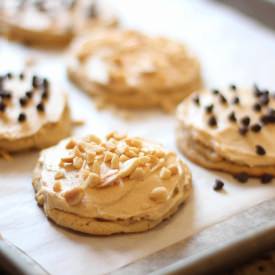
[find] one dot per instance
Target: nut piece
(128, 167)
(165, 173)
(96, 166)
(93, 138)
(74, 196)
(108, 156)
(115, 162)
(92, 180)
(57, 187)
(123, 158)
(71, 144)
(90, 156)
(138, 174)
(59, 175)
(174, 169)
(159, 194)
(77, 162)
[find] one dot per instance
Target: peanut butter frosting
(112, 63)
(113, 179)
(236, 123)
(51, 17)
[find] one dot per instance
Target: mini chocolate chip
(35, 82)
(209, 108)
(40, 107)
(218, 185)
(196, 100)
(232, 117)
(245, 121)
(223, 99)
(5, 95)
(257, 91)
(256, 128)
(233, 87)
(264, 100)
(92, 12)
(2, 107)
(241, 177)
(260, 150)
(29, 94)
(9, 75)
(257, 107)
(45, 83)
(23, 101)
(266, 119)
(266, 178)
(22, 117)
(212, 121)
(236, 100)
(243, 130)
(45, 94)
(271, 112)
(21, 76)
(215, 92)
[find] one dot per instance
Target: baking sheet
(232, 49)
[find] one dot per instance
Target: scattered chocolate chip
(241, 177)
(232, 117)
(236, 100)
(243, 130)
(223, 99)
(5, 95)
(45, 94)
(257, 91)
(197, 100)
(209, 108)
(29, 94)
(271, 112)
(9, 75)
(23, 101)
(212, 121)
(215, 92)
(264, 100)
(257, 107)
(245, 121)
(266, 178)
(22, 117)
(40, 107)
(260, 150)
(21, 76)
(256, 128)
(35, 82)
(266, 119)
(2, 107)
(218, 185)
(233, 87)
(45, 83)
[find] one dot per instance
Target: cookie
(50, 23)
(132, 70)
(113, 185)
(33, 112)
(230, 130)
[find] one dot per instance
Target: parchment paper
(232, 49)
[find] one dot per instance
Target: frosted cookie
(50, 22)
(132, 70)
(33, 112)
(230, 130)
(107, 186)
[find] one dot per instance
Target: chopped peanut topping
(128, 167)
(74, 196)
(174, 169)
(115, 162)
(138, 174)
(68, 159)
(71, 144)
(165, 173)
(90, 156)
(77, 162)
(92, 180)
(108, 156)
(93, 138)
(159, 194)
(59, 175)
(96, 167)
(123, 158)
(57, 187)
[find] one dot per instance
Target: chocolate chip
(197, 100)
(23, 101)
(257, 107)
(45, 83)
(257, 91)
(22, 117)
(266, 178)
(245, 121)
(215, 92)
(243, 130)
(260, 150)
(40, 107)
(209, 108)
(92, 11)
(218, 185)
(2, 107)
(223, 99)
(29, 94)
(256, 128)
(5, 95)
(241, 177)
(232, 117)
(45, 94)
(9, 75)
(266, 119)
(233, 87)
(271, 112)
(21, 76)
(212, 121)
(35, 82)
(264, 100)
(236, 100)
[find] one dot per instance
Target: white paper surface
(231, 49)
